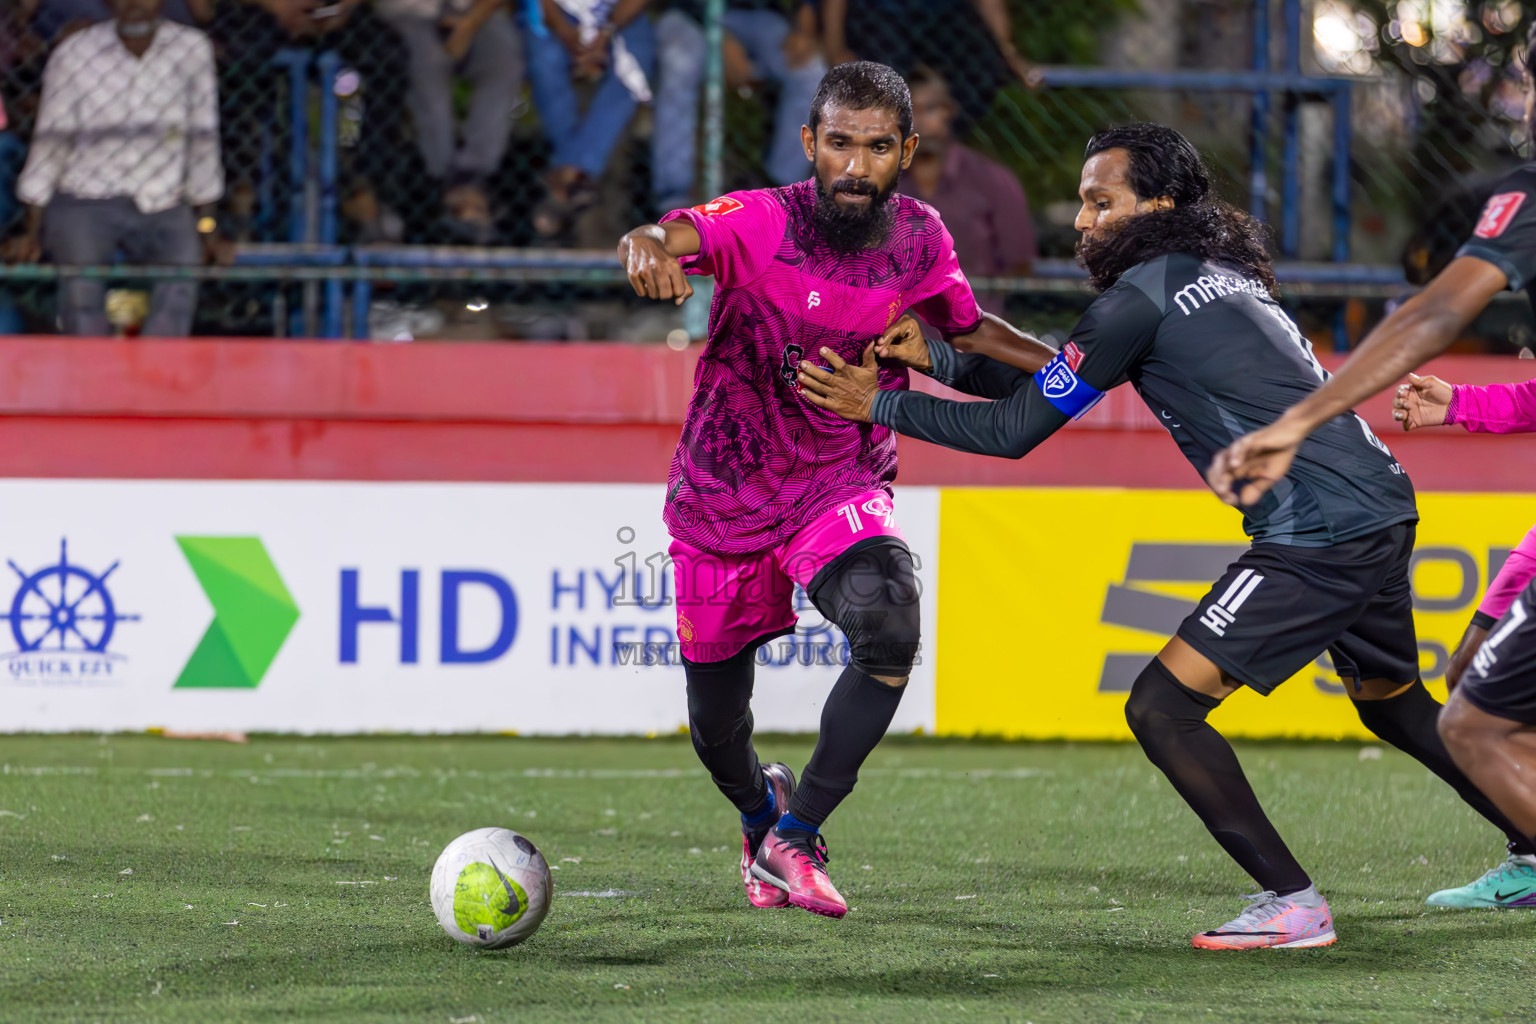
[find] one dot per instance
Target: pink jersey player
(1499, 409)
(759, 476)
(1481, 409)
(766, 490)
(756, 463)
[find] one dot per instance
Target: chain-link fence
(461, 168)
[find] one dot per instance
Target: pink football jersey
(756, 461)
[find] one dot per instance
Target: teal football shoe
(1509, 886)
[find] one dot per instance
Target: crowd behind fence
(461, 168)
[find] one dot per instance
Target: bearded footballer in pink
(766, 490)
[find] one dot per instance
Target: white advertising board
(359, 607)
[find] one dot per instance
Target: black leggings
(871, 594)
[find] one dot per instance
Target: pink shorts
(725, 602)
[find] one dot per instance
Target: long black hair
(1165, 164)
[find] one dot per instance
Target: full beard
(1110, 252)
(847, 230)
(1095, 255)
(1209, 229)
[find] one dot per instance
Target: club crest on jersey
(1062, 387)
(719, 207)
(1498, 213)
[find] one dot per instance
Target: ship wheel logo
(64, 607)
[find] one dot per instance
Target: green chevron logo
(253, 613)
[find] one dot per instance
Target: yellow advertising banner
(1051, 600)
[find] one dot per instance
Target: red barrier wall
(610, 412)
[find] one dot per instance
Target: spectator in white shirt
(126, 145)
(475, 38)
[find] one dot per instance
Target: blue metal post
(329, 63)
(362, 300)
(1342, 147)
(297, 63)
(266, 178)
(714, 98)
(1343, 140)
(1258, 178)
(1290, 180)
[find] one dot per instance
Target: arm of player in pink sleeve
(1518, 570)
(732, 232)
(1494, 408)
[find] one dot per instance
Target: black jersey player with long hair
(1186, 315)
(1489, 723)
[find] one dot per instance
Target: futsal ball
(490, 888)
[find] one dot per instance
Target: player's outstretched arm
(998, 339)
(1009, 428)
(1416, 331)
(650, 254)
(1493, 408)
(903, 342)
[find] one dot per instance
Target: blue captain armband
(1062, 387)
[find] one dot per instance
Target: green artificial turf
(152, 879)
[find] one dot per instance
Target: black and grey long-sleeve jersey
(1214, 357)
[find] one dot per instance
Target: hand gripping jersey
(756, 461)
(1214, 357)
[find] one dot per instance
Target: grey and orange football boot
(1296, 921)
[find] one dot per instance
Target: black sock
(1168, 719)
(1408, 722)
(854, 719)
(720, 722)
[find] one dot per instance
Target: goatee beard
(847, 231)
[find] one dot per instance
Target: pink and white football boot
(797, 864)
(781, 781)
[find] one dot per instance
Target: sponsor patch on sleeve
(1499, 211)
(1062, 387)
(719, 207)
(1074, 355)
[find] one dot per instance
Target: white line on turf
(519, 773)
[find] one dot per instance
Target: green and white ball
(490, 888)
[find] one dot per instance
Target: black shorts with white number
(1278, 607)
(1502, 677)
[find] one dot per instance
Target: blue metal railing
(312, 257)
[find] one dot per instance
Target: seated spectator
(478, 39)
(981, 201)
(970, 44)
(610, 43)
(126, 144)
(765, 44)
(53, 18)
